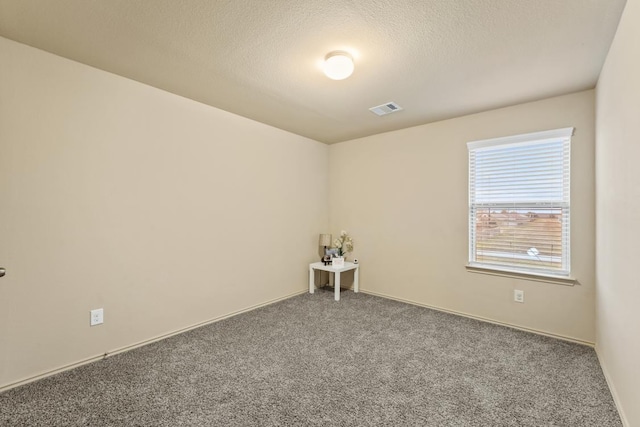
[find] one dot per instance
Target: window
(519, 203)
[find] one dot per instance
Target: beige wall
(618, 213)
(403, 196)
(164, 211)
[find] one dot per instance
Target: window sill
(547, 278)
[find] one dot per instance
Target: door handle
(2, 271)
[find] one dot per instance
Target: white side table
(337, 270)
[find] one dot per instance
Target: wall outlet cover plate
(518, 296)
(97, 317)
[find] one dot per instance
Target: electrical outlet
(97, 316)
(518, 296)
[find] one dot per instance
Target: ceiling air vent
(384, 109)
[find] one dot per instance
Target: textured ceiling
(261, 58)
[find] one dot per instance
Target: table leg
(311, 280)
(337, 286)
(356, 280)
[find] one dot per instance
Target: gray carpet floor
(311, 361)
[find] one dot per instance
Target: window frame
(563, 276)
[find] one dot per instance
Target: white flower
(344, 243)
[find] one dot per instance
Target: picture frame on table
(331, 253)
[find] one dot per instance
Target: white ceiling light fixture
(338, 65)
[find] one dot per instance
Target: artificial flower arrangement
(344, 244)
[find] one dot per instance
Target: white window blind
(519, 202)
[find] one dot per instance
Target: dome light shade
(338, 65)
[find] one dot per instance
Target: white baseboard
(142, 343)
(613, 391)
(484, 319)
